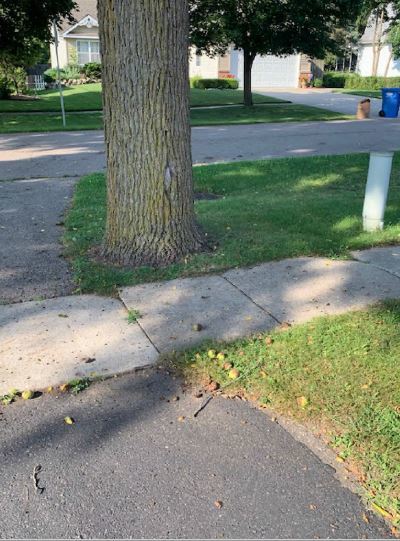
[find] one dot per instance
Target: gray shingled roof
(85, 7)
(368, 36)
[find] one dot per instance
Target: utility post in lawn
(55, 32)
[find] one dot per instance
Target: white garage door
(272, 71)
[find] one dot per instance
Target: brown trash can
(364, 109)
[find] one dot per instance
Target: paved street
(76, 153)
(129, 467)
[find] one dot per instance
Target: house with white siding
(375, 55)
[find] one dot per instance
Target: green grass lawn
(338, 375)
(76, 98)
(15, 123)
(88, 98)
(204, 98)
(268, 210)
(20, 123)
(24, 123)
(365, 93)
(262, 114)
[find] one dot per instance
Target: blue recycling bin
(390, 102)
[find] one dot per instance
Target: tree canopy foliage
(25, 25)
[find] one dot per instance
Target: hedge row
(337, 79)
(221, 84)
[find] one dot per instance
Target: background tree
(268, 27)
(24, 23)
(150, 212)
(25, 32)
(344, 49)
(393, 39)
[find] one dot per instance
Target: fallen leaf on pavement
(69, 420)
(197, 327)
(218, 504)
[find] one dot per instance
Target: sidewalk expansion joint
(384, 269)
(140, 326)
(252, 300)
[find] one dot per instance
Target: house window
(198, 60)
(88, 51)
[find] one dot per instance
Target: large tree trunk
(150, 212)
(248, 60)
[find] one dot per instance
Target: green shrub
(71, 71)
(92, 70)
(50, 75)
(193, 80)
(318, 83)
(13, 80)
(338, 79)
(5, 89)
(17, 80)
(335, 79)
(372, 83)
(221, 84)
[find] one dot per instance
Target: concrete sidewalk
(52, 341)
(59, 154)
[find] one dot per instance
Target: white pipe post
(376, 191)
(55, 32)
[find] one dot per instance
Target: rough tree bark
(248, 60)
(150, 212)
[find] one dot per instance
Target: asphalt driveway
(137, 464)
(31, 217)
(326, 99)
